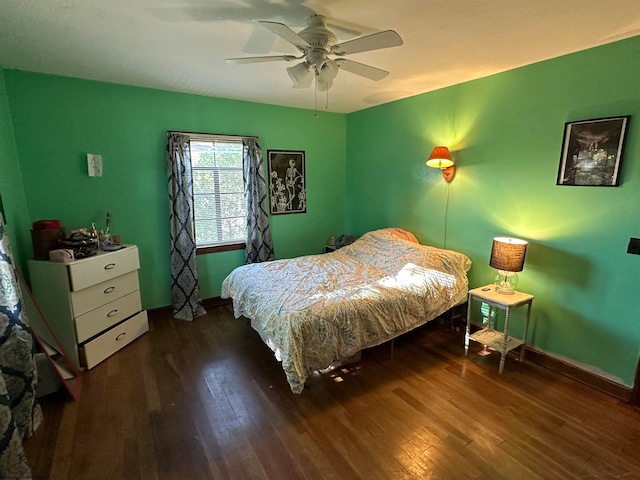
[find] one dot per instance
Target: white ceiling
(181, 45)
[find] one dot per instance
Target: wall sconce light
(507, 257)
(441, 158)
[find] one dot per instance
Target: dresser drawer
(102, 267)
(95, 321)
(113, 340)
(93, 297)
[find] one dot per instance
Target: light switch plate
(94, 164)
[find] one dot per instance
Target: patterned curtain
(185, 290)
(20, 414)
(259, 243)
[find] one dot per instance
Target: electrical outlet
(634, 246)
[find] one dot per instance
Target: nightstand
(498, 340)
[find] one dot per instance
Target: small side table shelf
(500, 341)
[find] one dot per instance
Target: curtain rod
(212, 134)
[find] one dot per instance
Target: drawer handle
(112, 313)
(109, 289)
(120, 336)
(109, 266)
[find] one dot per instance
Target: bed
(316, 310)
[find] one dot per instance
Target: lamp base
(505, 282)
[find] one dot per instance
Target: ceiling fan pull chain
(315, 99)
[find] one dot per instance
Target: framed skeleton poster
(287, 182)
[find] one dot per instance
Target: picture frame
(592, 152)
(287, 182)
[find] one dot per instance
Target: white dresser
(92, 305)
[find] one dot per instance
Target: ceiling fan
(317, 43)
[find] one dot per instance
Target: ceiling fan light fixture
(328, 71)
(301, 75)
(323, 86)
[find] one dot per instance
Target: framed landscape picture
(287, 182)
(592, 152)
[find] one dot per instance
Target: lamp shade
(508, 254)
(301, 75)
(440, 158)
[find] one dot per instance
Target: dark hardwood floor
(207, 400)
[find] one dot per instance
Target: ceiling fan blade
(375, 41)
(271, 58)
(285, 32)
(367, 71)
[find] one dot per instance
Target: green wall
(11, 187)
(58, 120)
(505, 133)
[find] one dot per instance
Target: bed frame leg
(453, 315)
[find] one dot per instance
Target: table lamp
(507, 257)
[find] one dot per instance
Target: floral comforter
(315, 310)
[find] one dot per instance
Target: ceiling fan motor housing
(318, 36)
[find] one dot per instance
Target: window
(218, 190)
